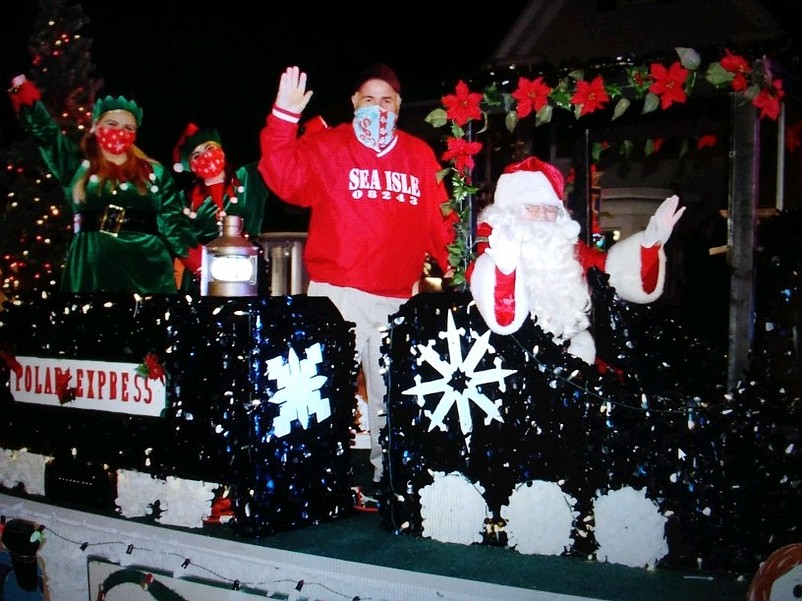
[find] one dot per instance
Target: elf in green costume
(217, 190)
(127, 211)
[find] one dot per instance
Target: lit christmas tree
(33, 226)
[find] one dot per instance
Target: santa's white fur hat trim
(525, 188)
(529, 182)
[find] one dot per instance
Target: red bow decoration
(151, 368)
(63, 391)
(12, 363)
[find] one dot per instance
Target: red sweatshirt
(374, 217)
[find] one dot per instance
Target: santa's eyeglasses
(540, 211)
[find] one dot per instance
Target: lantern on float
(229, 264)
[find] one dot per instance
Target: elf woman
(218, 190)
(128, 215)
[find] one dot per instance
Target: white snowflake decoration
(453, 509)
(298, 394)
(539, 518)
(453, 366)
(630, 529)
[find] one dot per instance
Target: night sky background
(218, 63)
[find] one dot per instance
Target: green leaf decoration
(456, 130)
(620, 108)
(492, 96)
(689, 58)
(485, 123)
(690, 82)
(562, 98)
(577, 74)
(626, 149)
(511, 121)
(509, 101)
(544, 115)
(751, 92)
(437, 118)
(596, 150)
(613, 90)
(718, 75)
(650, 103)
(648, 148)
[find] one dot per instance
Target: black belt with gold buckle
(114, 219)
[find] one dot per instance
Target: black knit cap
(17, 538)
(378, 71)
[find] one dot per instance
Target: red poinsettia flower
(461, 152)
(531, 96)
(155, 371)
(669, 84)
(591, 96)
(12, 363)
(738, 66)
(793, 136)
(706, 140)
(462, 106)
(64, 393)
(768, 100)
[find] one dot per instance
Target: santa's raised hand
(662, 223)
(505, 250)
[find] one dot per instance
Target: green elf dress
(125, 240)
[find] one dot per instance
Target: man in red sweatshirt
(376, 211)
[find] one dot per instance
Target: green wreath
(157, 590)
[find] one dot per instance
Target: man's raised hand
(292, 95)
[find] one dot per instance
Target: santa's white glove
(505, 251)
(292, 95)
(662, 223)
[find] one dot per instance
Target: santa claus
(531, 261)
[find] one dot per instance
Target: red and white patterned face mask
(115, 140)
(209, 163)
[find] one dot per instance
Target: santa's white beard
(555, 280)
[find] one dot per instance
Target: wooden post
(743, 200)
(582, 184)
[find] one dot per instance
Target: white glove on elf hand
(662, 223)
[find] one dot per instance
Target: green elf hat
(190, 139)
(120, 103)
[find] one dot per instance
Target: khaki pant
(371, 314)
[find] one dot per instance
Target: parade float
(121, 408)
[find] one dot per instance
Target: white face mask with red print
(374, 127)
(209, 163)
(115, 140)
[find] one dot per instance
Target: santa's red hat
(530, 181)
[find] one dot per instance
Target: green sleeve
(174, 225)
(204, 223)
(252, 199)
(61, 155)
